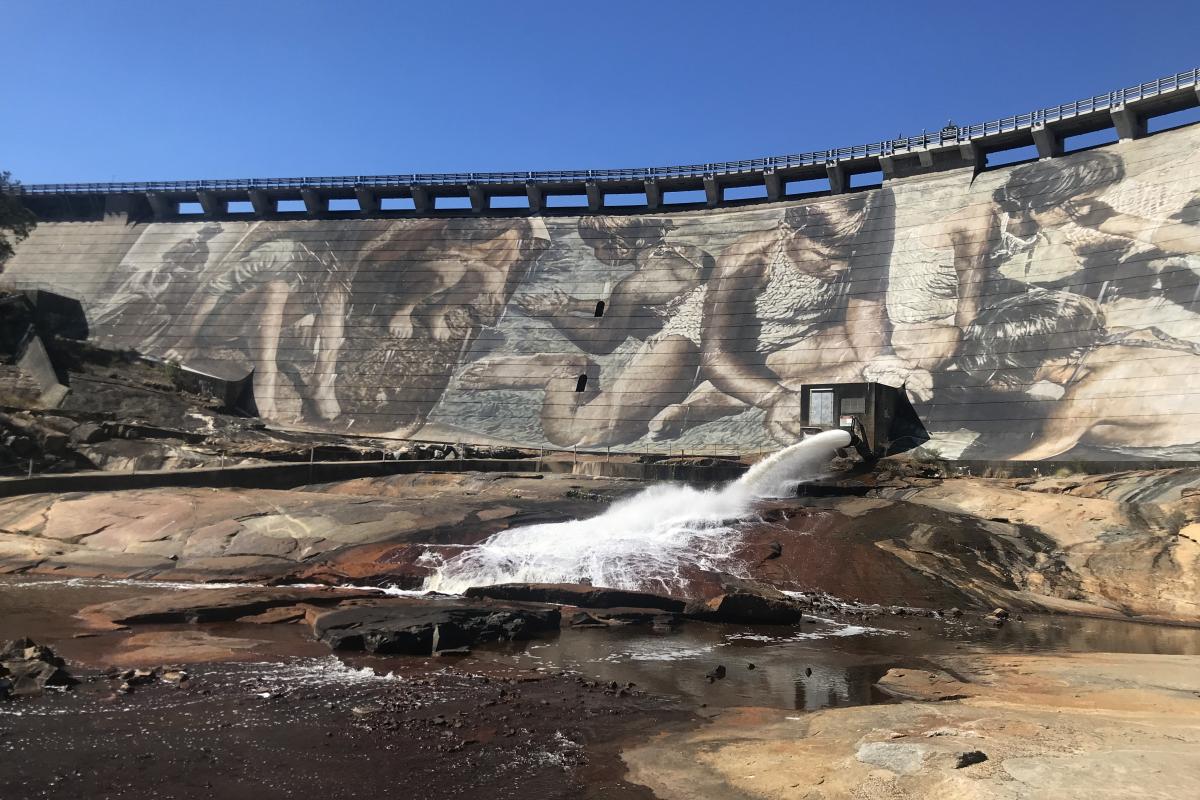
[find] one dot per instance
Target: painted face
(821, 245)
(614, 251)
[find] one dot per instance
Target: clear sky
(174, 89)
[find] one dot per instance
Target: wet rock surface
(229, 707)
(318, 728)
(741, 601)
(581, 595)
(607, 617)
(412, 626)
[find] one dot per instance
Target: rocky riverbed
(908, 635)
(1125, 545)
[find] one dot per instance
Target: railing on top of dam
(951, 134)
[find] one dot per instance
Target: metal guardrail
(949, 135)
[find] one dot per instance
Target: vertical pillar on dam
(314, 205)
(837, 177)
(534, 193)
(1049, 144)
(774, 185)
(653, 194)
(122, 208)
(594, 195)
(1128, 123)
(971, 155)
(261, 202)
(420, 197)
(212, 206)
(160, 206)
(929, 160)
(368, 201)
(479, 200)
(712, 191)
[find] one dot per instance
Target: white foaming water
(650, 541)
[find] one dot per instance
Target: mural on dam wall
(1043, 310)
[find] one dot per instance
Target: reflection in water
(819, 668)
(852, 685)
(815, 665)
(822, 664)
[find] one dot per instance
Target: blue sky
(167, 89)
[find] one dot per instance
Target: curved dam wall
(1045, 310)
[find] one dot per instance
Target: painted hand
(545, 305)
(401, 326)
(1088, 212)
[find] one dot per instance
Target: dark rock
(808, 672)
(456, 652)
(750, 666)
(969, 757)
(1000, 613)
(636, 616)
(139, 677)
(746, 602)
(89, 433)
(573, 594)
(775, 550)
(717, 673)
(582, 619)
(28, 669)
(418, 626)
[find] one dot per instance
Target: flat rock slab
(183, 646)
(580, 595)
(419, 626)
(750, 603)
(212, 605)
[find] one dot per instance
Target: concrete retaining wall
(1041, 311)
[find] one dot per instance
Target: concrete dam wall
(1044, 310)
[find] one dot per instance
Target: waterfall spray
(650, 541)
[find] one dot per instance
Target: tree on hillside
(16, 221)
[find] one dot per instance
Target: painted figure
(422, 293)
(276, 289)
(802, 303)
(1081, 226)
(143, 307)
(659, 305)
